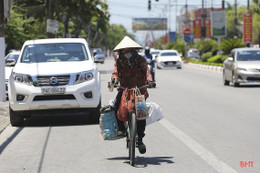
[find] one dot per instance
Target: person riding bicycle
(150, 61)
(131, 70)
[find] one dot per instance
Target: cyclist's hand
(114, 81)
(151, 84)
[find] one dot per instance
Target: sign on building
(218, 24)
(52, 26)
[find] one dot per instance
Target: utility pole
(186, 27)
(223, 4)
(235, 22)
(2, 53)
(48, 15)
(203, 28)
(248, 6)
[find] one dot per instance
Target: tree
(115, 34)
(77, 17)
(207, 46)
(227, 45)
(256, 6)
(22, 28)
(179, 45)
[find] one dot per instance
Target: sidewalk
(4, 115)
(205, 67)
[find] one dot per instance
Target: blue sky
(122, 11)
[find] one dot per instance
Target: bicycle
(131, 125)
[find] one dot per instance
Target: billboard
(149, 23)
(218, 23)
(248, 28)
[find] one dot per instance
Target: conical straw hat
(127, 43)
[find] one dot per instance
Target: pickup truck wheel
(95, 113)
(16, 118)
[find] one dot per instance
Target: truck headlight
(23, 78)
(84, 76)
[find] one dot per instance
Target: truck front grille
(47, 80)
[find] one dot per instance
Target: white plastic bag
(155, 113)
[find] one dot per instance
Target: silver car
(242, 66)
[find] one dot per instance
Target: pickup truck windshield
(57, 52)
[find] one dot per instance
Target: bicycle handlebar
(111, 86)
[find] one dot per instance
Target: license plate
(53, 90)
(170, 63)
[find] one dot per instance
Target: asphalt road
(208, 128)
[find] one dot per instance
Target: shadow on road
(10, 139)
(247, 86)
(142, 162)
(57, 120)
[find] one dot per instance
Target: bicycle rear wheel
(132, 138)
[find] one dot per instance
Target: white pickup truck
(54, 75)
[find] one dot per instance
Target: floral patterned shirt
(130, 76)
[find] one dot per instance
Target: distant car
(242, 66)
(54, 75)
(99, 57)
(10, 61)
(193, 53)
(169, 58)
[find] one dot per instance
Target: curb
(206, 67)
(4, 116)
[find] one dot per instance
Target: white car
(10, 61)
(54, 75)
(169, 58)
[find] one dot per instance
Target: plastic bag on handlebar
(126, 105)
(155, 113)
(140, 106)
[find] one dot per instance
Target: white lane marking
(202, 152)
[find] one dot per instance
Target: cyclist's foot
(121, 133)
(141, 146)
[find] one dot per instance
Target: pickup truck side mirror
(10, 62)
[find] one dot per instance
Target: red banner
(207, 23)
(197, 28)
(248, 28)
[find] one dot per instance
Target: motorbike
(150, 64)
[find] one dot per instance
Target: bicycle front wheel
(132, 135)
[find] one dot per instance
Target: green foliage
(207, 46)
(217, 59)
(256, 28)
(228, 44)
(179, 45)
(158, 44)
(114, 35)
(256, 6)
(205, 63)
(21, 28)
(206, 56)
(76, 17)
